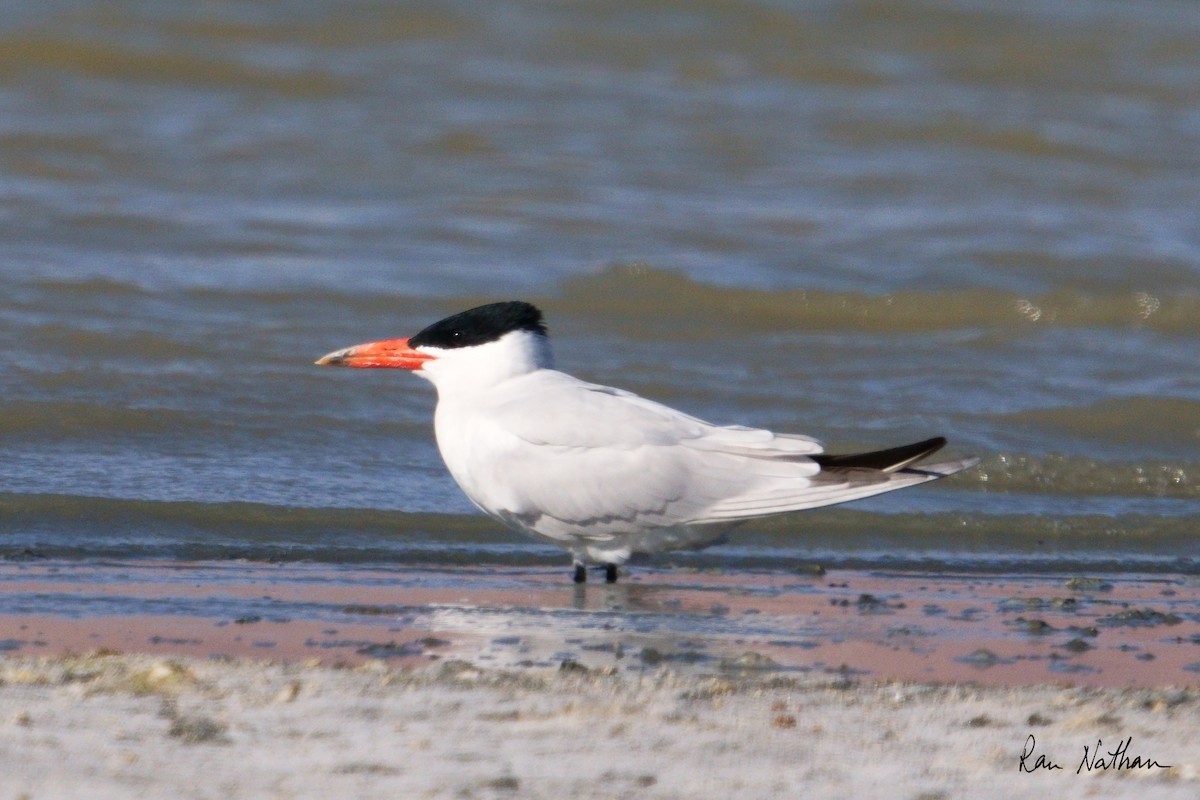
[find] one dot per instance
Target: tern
(600, 471)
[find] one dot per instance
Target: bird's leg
(580, 572)
(610, 573)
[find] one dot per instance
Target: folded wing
(594, 462)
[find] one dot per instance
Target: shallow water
(843, 627)
(866, 221)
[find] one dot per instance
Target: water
(871, 222)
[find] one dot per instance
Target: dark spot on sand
(1035, 627)
(1140, 618)
(365, 768)
(197, 730)
(370, 611)
(505, 783)
(433, 641)
(983, 658)
(1088, 585)
(748, 661)
(391, 650)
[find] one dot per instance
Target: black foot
(580, 573)
(610, 573)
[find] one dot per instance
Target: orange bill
(388, 354)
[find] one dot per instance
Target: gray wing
(589, 461)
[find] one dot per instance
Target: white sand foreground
(122, 726)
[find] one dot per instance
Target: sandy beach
(135, 726)
(512, 683)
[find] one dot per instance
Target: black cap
(481, 325)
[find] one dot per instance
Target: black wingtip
(884, 460)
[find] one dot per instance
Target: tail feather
(842, 478)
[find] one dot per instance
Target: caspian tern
(603, 472)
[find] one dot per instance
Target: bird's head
(474, 348)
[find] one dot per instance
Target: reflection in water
(912, 626)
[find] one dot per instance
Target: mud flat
(1123, 631)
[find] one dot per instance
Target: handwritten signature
(1116, 759)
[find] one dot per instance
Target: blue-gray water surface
(868, 221)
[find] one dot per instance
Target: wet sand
(256, 680)
(1123, 631)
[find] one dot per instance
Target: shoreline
(1000, 630)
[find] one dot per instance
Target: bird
(602, 472)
